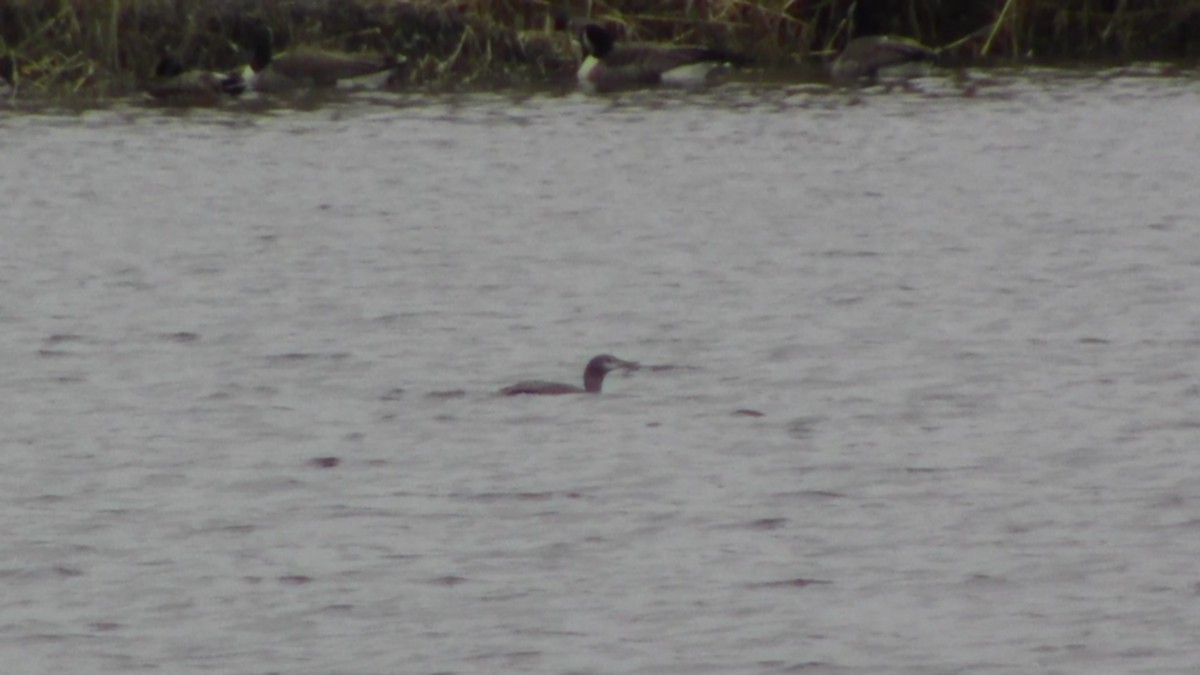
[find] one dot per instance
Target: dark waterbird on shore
(875, 55)
(172, 83)
(306, 67)
(610, 66)
(8, 75)
(593, 379)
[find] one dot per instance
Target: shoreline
(110, 49)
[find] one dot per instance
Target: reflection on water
(931, 406)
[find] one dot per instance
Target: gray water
(970, 323)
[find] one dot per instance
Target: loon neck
(593, 378)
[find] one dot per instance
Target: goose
(306, 67)
(610, 66)
(867, 56)
(172, 83)
(8, 75)
(593, 378)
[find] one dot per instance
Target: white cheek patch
(586, 69)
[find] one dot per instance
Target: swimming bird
(306, 67)
(866, 57)
(610, 66)
(172, 83)
(593, 378)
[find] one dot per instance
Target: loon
(593, 378)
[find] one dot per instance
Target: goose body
(610, 66)
(875, 55)
(593, 379)
(172, 83)
(307, 67)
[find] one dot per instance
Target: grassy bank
(106, 47)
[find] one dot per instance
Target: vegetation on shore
(111, 47)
